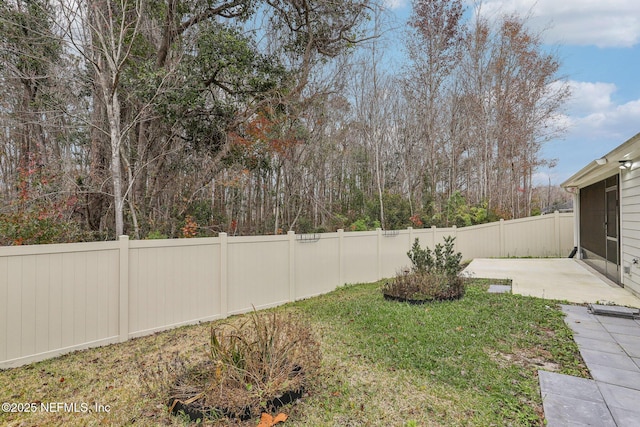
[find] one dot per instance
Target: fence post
(410, 229)
(123, 305)
(340, 257)
(556, 230)
(501, 237)
(379, 254)
(455, 237)
(224, 275)
(433, 236)
(291, 235)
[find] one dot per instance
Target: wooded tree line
(190, 117)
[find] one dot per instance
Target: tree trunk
(113, 117)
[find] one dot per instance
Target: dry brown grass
(112, 376)
(135, 379)
(424, 286)
(471, 361)
(253, 361)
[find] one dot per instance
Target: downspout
(621, 274)
(575, 191)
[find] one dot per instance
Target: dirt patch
(527, 358)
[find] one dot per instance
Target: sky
(598, 44)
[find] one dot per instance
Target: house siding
(630, 228)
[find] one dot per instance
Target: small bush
(250, 364)
(442, 260)
(43, 211)
(364, 224)
(421, 259)
(412, 286)
(433, 275)
(156, 234)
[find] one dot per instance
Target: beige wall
(59, 298)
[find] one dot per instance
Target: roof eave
(594, 172)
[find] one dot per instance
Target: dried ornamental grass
(255, 365)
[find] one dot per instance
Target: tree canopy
(150, 118)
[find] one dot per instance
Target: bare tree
(434, 48)
(29, 51)
(512, 93)
(111, 28)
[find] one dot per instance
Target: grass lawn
(468, 362)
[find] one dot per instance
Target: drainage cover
(499, 289)
(614, 310)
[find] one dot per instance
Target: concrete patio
(610, 346)
(553, 278)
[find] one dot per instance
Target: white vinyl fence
(58, 298)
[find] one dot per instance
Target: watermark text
(52, 407)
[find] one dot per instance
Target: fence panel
(525, 238)
(479, 241)
(394, 252)
(56, 299)
(360, 257)
(429, 237)
(173, 282)
(441, 233)
(258, 272)
(566, 234)
(317, 264)
(536, 237)
(59, 298)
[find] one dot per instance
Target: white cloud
(603, 23)
(589, 105)
(593, 114)
(623, 119)
(595, 124)
(588, 97)
(396, 4)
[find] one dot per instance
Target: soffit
(593, 172)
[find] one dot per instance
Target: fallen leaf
(280, 418)
(267, 420)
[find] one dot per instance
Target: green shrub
(442, 260)
(421, 259)
(156, 234)
(397, 210)
(434, 275)
(364, 224)
(42, 212)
